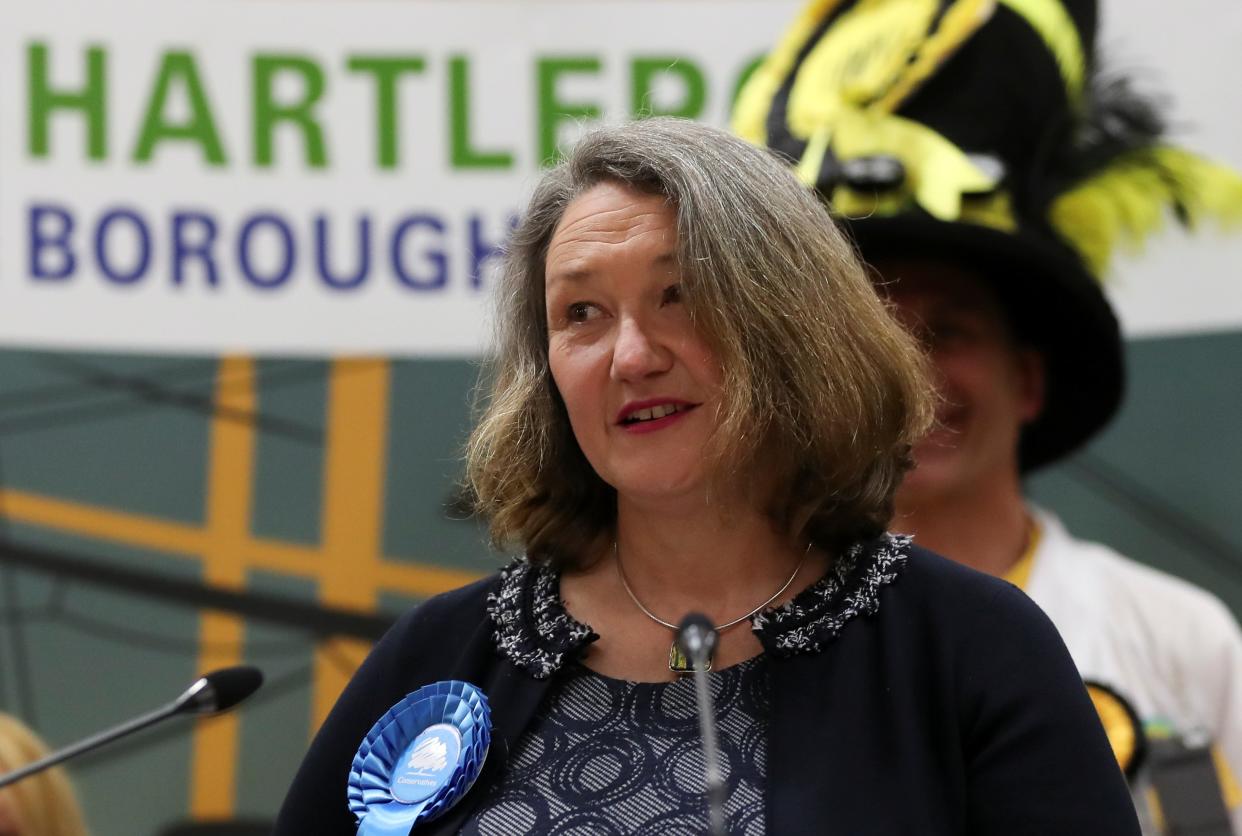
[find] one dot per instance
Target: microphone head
(697, 637)
(220, 690)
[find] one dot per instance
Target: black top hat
(981, 131)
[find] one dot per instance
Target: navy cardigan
(953, 709)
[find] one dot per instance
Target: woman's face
(641, 387)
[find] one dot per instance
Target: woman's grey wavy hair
(819, 380)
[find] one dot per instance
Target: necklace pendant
(678, 662)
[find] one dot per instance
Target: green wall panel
(127, 432)
(288, 487)
(96, 657)
(429, 420)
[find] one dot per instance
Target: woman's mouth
(654, 416)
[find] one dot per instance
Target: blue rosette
(420, 758)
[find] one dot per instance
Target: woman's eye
(580, 312)
(672, 295)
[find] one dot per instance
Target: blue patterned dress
(605, 756)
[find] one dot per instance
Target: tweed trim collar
(533, 630)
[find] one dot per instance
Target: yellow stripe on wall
(353, 505)
(229, 486)
(187, 540)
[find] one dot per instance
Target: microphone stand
(214, 692)
(92, 742)
(697, 638)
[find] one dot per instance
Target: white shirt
(1173, 650)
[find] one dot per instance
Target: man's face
(989, 386)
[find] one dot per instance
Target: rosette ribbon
(420, 758)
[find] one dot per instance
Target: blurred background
(245, 252)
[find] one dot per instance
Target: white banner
(334, 177)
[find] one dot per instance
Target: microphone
(210, 694)
(697, 638)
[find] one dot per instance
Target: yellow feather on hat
(1128, 201)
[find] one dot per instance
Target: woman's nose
(638, 352)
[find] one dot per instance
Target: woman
(43, 804)
(699, 404)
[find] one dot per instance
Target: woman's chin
(657, 489)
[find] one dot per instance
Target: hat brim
(1053, 304)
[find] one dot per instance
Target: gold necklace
(677, 661)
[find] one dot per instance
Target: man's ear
(1031, 384)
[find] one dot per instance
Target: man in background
(987, 169)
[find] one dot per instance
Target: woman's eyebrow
(579, 270)
(574, 274)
